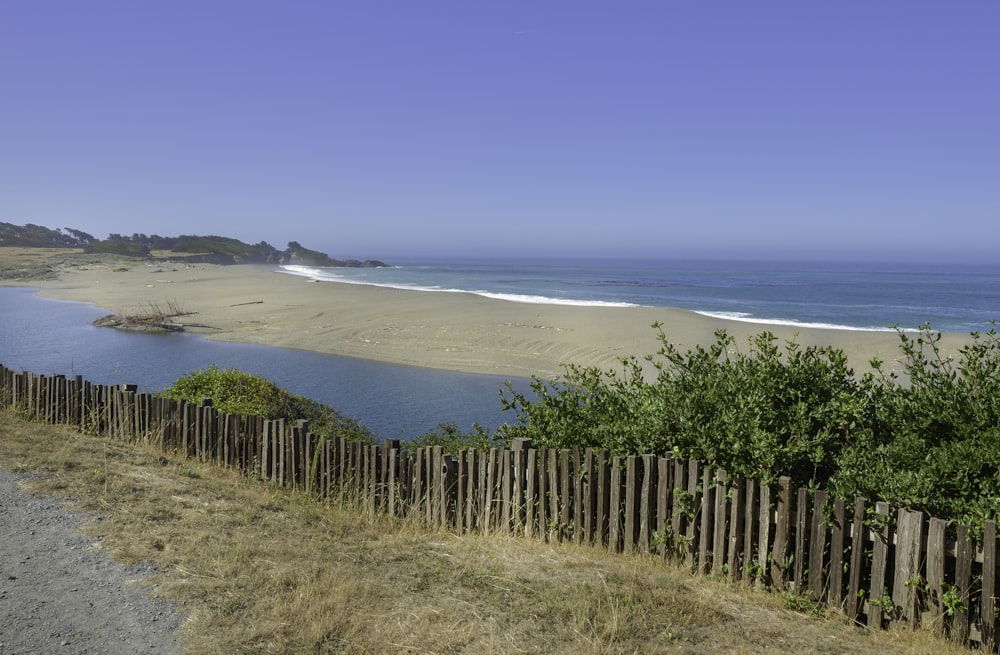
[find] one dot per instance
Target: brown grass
(258, 569)
(19, 255)
(21, 266)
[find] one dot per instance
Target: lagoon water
(56, 337)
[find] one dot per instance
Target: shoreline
(462, 332)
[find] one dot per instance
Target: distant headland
(188, 248)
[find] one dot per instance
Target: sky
(844, 130)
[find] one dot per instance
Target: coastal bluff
(185, 248)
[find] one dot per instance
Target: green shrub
(454, 440)
(937, 446)
(762, 414)
(235, 392)
(929, 439)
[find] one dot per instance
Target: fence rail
(908, 568)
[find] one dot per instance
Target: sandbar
(442, 330)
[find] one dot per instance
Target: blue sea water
(47, 336)
(845, 295)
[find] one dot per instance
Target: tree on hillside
(81, 237)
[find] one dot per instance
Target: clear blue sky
(373, 129)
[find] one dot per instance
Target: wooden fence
(880, 566)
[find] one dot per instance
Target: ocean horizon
(847, 295)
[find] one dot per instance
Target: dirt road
(60, 594)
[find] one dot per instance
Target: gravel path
(58, 595)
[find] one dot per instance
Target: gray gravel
(60, 595)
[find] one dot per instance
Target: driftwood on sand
(151, 318)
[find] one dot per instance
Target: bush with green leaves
(929, 439)
(763, 414)
(937, 442)
(453, 440)
(236, 392)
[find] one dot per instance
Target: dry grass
(19, 255)
(21, 266)
(261, 570)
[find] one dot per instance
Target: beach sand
(450, 331)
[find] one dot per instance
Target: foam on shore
(747, 318)
(326, 275)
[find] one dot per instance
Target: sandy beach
(450, 331)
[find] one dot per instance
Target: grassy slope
(263, 570)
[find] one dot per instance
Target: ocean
(47, 336)
(842, 295)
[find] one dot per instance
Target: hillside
(193, 248)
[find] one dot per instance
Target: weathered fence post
(680, 508)
(988, 612)
(489, 483)
(474, 508)
(694, 513)
(737, 524)
(965, 553)
(646, 502)
(602, 511)
(782, 528)
(565, 494)
(664, 491)
(477, 469)
(801, 530)
(590, 497)
(859, 529)
(880, 556)
(508, 512)
(763, 535)
(531, 501)
(615, 510)
(577, 491)
(720, 527)
(934, 615)
(905, 584)
(836, 570)
(392, 448)
(552, 462)
(449, 482)
(817, 546)
(631, 507)
(706, 529)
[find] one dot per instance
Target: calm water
(52, 337)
